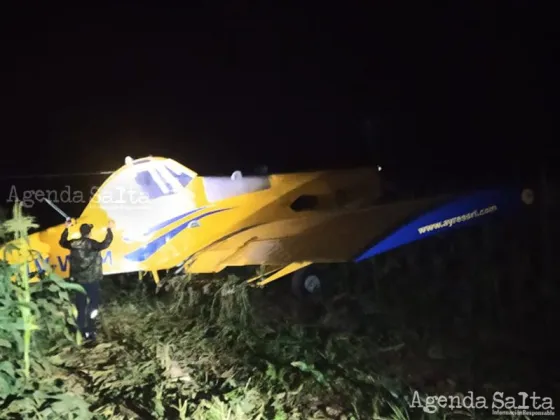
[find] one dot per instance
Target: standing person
(86, 269)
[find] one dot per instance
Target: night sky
(451, 92)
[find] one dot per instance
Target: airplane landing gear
(312, 283)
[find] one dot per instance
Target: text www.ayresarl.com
(457, 219)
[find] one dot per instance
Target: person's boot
(90, 338)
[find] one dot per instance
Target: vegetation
(33, 320)
(448, 315)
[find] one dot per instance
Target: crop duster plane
(167, 217)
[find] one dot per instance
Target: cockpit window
(179, 174)
(163, 180)
(151, 187)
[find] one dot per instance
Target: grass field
(448, 315)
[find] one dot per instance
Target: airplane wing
(350, 235)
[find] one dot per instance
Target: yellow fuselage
(204, 212)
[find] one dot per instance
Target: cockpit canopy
(146, 193)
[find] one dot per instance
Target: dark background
(460, 93)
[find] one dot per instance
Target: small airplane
(167, 217)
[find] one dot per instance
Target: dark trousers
(88, 306)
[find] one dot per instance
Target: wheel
(312, 283)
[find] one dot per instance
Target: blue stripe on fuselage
(453, 215)
(170, 221)
(145, 252)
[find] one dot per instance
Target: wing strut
(290, 268)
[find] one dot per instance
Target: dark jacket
(85, 256)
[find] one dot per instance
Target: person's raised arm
(107, 241)
(64, 242)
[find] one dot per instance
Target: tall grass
(444, 316)
(219, 349)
